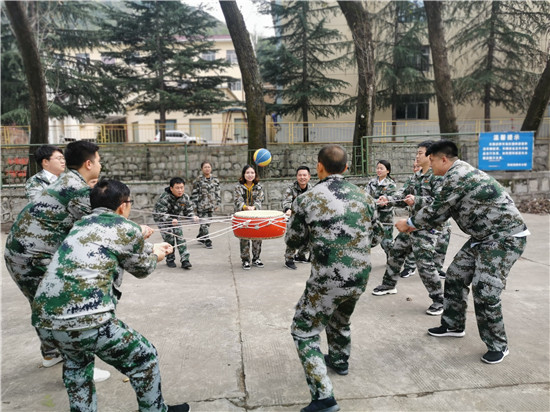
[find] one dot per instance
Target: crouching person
(74, 306)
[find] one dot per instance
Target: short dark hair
(426, 144)
(44, 152)
(206, 162)
(176, 181)
(242, 180)
(76, 153)
(334, 158)
(444, 147)
(303, 168)
(386, 164)
(109, 193)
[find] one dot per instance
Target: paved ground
(224, 342)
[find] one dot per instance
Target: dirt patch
(535, 206)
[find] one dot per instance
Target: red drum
(259, 224)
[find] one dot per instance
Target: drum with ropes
(259, 224)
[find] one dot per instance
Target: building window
(231, 56)
(209, 56)
(83, 58)
(106, 59)
(169, 125)
(413, 108)
(235, 86)
(423, 59)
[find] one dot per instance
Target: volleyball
(262, 157)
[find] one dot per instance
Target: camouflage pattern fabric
(204, 228)
(206, 197)
(167, 208)
(242, 196)
(484, 210)
(336, 218)
(291, 193)
(375, 189)
(441, 247)
(37, 183)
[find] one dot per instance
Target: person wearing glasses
(74, 307)
(51, 160)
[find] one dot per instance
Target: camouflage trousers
(422, 244)
(245, 249)
(302, 251)
(204, 227)
(118, 345)
(175, 237)
(440, 251)
(27, 272)
(330, 309)
(485, 266)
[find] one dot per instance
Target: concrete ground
(224, 343)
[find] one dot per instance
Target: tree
(442, 71)
(501, 36)
(166, 44)
(539, 102)
(250, 72)
(358, 21)
(306, 50)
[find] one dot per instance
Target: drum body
(259, 224)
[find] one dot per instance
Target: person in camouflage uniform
(42, 225)
(482, 209)
(336, 219)
(74, 306)
(383, 185)
(422, 242)
(249, 195)
(52, 162)
(301, 185)
(207, 199)
(171, 204)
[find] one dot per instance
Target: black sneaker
(208, 244)
(336, 369)
(442, 274)
(171, 263)
(495, 356)
(322, 405)
(178, 408)
(384, 290)
(407, 273)
(301, 259)
(435, 309)
(186, 265)
(443, 331)
(290, 264)
(258, 263)
(246, 265)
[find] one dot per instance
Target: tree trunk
(34, 73)
(539, 102)
(358, 22)
(489, 68)
(442, 72)
(250, 72)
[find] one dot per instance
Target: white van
(178, 136)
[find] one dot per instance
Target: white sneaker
(49, 361)
(101, 375)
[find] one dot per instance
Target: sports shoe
(322, 405)
(442, 274)
(49, 361)
(100, 375)
(208, 244)
(186, 265)
(258, 263)
(435, 309)
(171, 263)
(407, 273)
(301, 259)
(495, 356)
(178, 408)
(384, 290)
(290, 264)
(336, 369)
(246, 265)
(441, 331)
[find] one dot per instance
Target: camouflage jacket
(248, 197)
(292, 193)
(336, 219)
(77, 289)
(477, 202)
(42, 225)
(386, 187)
(169, 207)
(206, 194)
(37, 183)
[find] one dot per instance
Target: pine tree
(306, 51)
(164, 42)
(498, 39)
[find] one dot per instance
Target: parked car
(178, 136)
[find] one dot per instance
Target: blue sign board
(506, 151)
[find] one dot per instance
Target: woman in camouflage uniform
(249, 195)
(207, 199)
